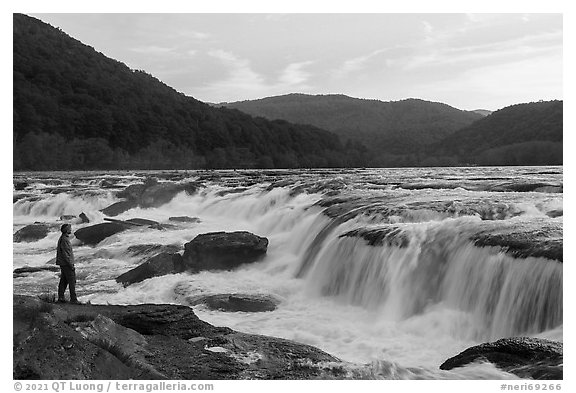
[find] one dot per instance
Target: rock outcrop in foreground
(526, 357)
(65, 341)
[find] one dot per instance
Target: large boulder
(224, 250)
(31, 233)
(526, 357)
(237, 302)
(94, 234)
(158, 265)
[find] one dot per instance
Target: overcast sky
(469, 61)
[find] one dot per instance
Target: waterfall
(439, 266)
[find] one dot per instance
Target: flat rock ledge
(150, 341)
(526, 357)
(237, 302)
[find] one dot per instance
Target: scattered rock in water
(96, 233)
(527, 187)
(21, 185)
(67, 217)
(143, 222)
(84, 218)
(149, 341)
(223, 250)
(158, 265)
(555, 213)
(149, 194)
(237, 302)
(119, 208)
(35, 269)
(107, 184)
(390, 235)
(149, 249)
(525, 357)
(533, 243)
(184, 219)
(31, 233)
(236, 190)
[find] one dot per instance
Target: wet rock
(21, 185)
(67, 217)
(527, 187)
(31, 233)
(35, 269)
(528, 243)
(224, 250)
(64, 341)
(389, 235)
(96, 233)
(106, 184)
(158, 265)
(184, 219)
(119, 208)
(143, 222)
(84, 218)
(236, 190)
(149, 249)
(555, 213)
(237, 302)
(149, 194)
(526, 357)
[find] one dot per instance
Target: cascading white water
(505, 296)
(413, 303)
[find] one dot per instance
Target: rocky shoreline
(162, 341)
(150, 341)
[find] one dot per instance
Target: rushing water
(374, 266)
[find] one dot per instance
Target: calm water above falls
(374, 266)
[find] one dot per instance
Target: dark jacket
(64, 254)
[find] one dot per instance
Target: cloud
(242, 82)
(294, 74)
(153, 50)
(472, 55)
(356, 64)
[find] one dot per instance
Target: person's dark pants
(67, 279)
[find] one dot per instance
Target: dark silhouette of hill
(74, 108)
(396, 132)
(522, 134)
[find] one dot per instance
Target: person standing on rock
(65, 259)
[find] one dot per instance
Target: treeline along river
(400, 268)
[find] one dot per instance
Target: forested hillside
(74, 108)
(522, 134)
(396, 133)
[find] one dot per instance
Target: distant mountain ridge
(392, 131)
(74, 108)
(521, 134)
(483, 112)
